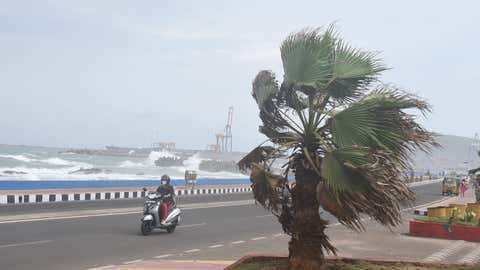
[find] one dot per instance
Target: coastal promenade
(221, 227)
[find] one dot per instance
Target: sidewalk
(173, 265)
(469, 198)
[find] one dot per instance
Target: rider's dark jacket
(164, 190)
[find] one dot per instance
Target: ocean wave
(131, 164)
(63, 162)
(18, 157)
(193, 162)
(24, 173)
(207, 174)
(154, 155)
(57, 161)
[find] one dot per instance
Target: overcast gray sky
(94, 73)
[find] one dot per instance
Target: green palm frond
(259, 155)
(280, 138)
(378, 121)
(289, 98)
(353, 72)
(264, 87)
(267, 188)
(341, 169)
(308, 58)
(474, 171)
(381, 194)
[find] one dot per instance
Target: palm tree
(476, 181)
(346, 136)
(474, 171)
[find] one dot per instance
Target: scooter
(152, 214)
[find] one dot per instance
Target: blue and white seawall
(52, 191)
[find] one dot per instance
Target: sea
(32, 167)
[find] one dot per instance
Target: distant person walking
(463, 188)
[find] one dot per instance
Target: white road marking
(163, 256)
(25, 244)
(259, 238)
(192, 225)
(134, 261)
(192, 250)
(472, 257)
(425, 204)
(238, 242)
(338, 223)
(278, 235)
(423, 183)
(66, 217)
(445, 252)
(102, 267)
(270, 215)
(216, 246)
(109, 212)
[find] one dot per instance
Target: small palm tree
(476, 181)
(474, 171)
(346, 136)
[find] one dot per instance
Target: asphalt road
(88, 242)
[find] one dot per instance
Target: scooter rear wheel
(171, 229)
(146, 227)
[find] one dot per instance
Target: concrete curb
(377, 260)
(248, 257)
(452, 232)
(72, 195)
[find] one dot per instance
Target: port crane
(224, 142)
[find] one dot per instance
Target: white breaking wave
(63, 162)
(131, 164)
(57, 161)
(205, 174)
(23, 165)
(18, 157)
(154, 155)
(25, 173)
(51, 161)
(192, 162)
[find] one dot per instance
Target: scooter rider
(166, 190)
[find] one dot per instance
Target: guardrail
(72, 195)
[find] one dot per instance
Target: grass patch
(447, 221)
(349, 264)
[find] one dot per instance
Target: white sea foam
(63, 162)
(56, 161)
(18, 157)
(192, 162)
(154, 155)
(50, 166)
(64, 174)
(131, 164)
(218, 175)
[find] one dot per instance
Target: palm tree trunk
(308, 230)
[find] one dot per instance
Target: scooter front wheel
(146, 227)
